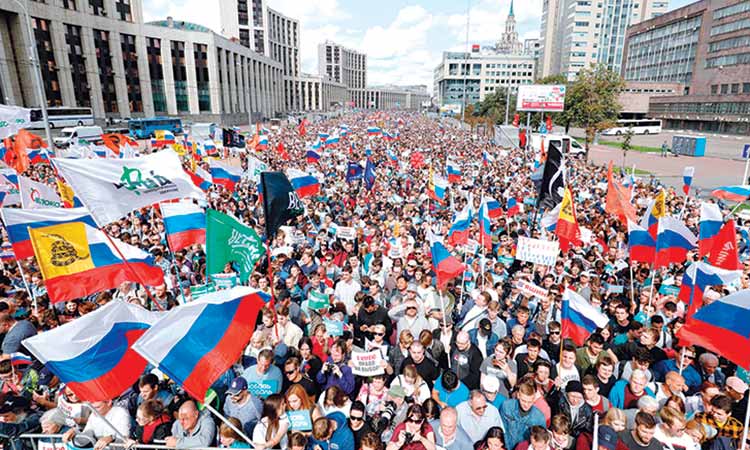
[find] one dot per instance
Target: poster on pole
(541, 97)
(367, 364)
(537, 251)
(531, 289)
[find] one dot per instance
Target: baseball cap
(485, 325)
(13, 403)
(490, 384)
(737, 384)
(397, 391)
(607, 437)
(574, 386)
(238, 385)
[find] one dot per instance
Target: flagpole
(744, 431)
(28, 289)
(595, 441)
(171, 252)
(632, 284)
(445, 323)
(270, 285)
(682, 357)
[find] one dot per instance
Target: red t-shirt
(413, 445)
(631, 400)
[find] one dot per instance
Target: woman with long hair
(412, 383)
(298, 400)
(414, 433)
(270, 432)
(493, 440)
(228, 438)
(334, 399)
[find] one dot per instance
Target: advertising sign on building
(541, 97)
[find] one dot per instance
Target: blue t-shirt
(452, 398)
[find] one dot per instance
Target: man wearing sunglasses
(358, 422)
(476, 415)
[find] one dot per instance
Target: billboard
(541, 97)
(452, 108)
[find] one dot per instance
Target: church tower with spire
(508, 42)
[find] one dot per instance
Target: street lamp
(37, 69)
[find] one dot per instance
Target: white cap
(490, 384)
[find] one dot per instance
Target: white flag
(35, 195)
(9, 187)
(12, 119)
(254, 168)
(111, 188)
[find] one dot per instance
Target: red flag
(417, 160)
(567, 225)
(113, 141)
(549, 124)
(618, 199)
(724, 251)
(522, 137)
(282, 152)
(301, 128)
(516, 120)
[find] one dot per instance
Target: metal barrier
(53, 438)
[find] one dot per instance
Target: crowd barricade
(54, 442)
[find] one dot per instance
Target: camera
(386, 417)
(409, 399)
(408, 437)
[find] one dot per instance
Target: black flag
(553, 177)
(231, 138)
(280, 203)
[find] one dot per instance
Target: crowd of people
(478, 364)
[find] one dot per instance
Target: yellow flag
(566, 208)
(66, 194)
(61, 249)
(660, 205)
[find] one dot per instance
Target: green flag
(227, 240)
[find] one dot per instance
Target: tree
(493, 106)
(591, 102)
(626, 145)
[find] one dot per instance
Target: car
(73, 135)
(575, 149)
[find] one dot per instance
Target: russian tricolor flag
(18, 221)
(673, 242)
(641, 244)
(201, 178)
(209, 148)
(312, 156)
(511, 208)
(656, 210)
(185, 224)
(305, 185)
(454, 172)
(323, 135)
(19, 359)
(374, 131)
(738, 193)
(485, 226)
(38, 156)
(487, 158)
(343, 130)
(710, 223)
(92, 355)
(698, 277)
(195, 343)
(445, 265)
(262, 143)
(224, 174)
(437, 188)
(722, 327)
(687, 179)
(459, 231)
(579, 317)
(331, 141)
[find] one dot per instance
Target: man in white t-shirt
(346, 289)
(100, 425)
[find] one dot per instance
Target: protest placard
(531, 289)
(334, 327)
(225, 280)
(263, 389)
(506, 260)
(614, 288)
(317, 300)
(300, 420)
(202, 289)
(367, 364)
(537, 251)
(346, 233)
(42, 445)
(669, 290)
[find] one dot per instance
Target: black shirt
(426, 369)
(627, 438)
(359, 434)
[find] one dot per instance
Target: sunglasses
(554, 332)
(290, 372)
(413, 420)
(378, 334)
(356, 419)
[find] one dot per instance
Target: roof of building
(181, 25)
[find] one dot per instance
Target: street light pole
(37, 69)
(507, 103)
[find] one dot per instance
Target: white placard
(537, 251)
(367, 364)
(347, 233)
(531, 289)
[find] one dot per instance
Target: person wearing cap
(490, 386)
(16, 419)
(476, 415)
(413, 318)
(736, 389)
(607, 439)
(573, 406)
(243, 405)
(483, 337)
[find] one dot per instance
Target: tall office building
(247, 21)
(345, 66)
(100, 54)
(578, 33)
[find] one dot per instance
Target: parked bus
(640, 126)
(144, 128)
(61, 117)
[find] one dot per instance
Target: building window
(714, 89)
(729, 27)
(69, 4)
(724, 88)
(106, 74)
(130, 63)
(245, 38)
(200, 52)
(735, 88)
(47, 64)
(179, 72)
(242, 14)
(746, 88)
(97, 7)
(737, 8)
(123, 10)
(77, 65)
(153, 52)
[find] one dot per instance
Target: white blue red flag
(305, 185)
(687, 179)
(710, 223)
(579, 317)
(673, 241)
(185, 224)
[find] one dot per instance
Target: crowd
(476, 365)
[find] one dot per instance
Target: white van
(575, 149)
(73, 135)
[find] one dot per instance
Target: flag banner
(35, 195)
(195, 343)
(254, 168)
(445, 265)
(116, 142)
(162, 138)
(232, 139)
(280, 202)
(369, 175)
(67, 195)
(92, 354)
(553, 178)
(618, 199)
(111, 188)
(18, 221)
(185, 224)
(709, 226)
(77, 260)
(567, 225)
(12, 119)
(579, 318)
(225, 174)
(228, 240)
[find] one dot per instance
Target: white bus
(60, 117)
(639, 126)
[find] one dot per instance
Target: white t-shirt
(117, 416)
(259, 432)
